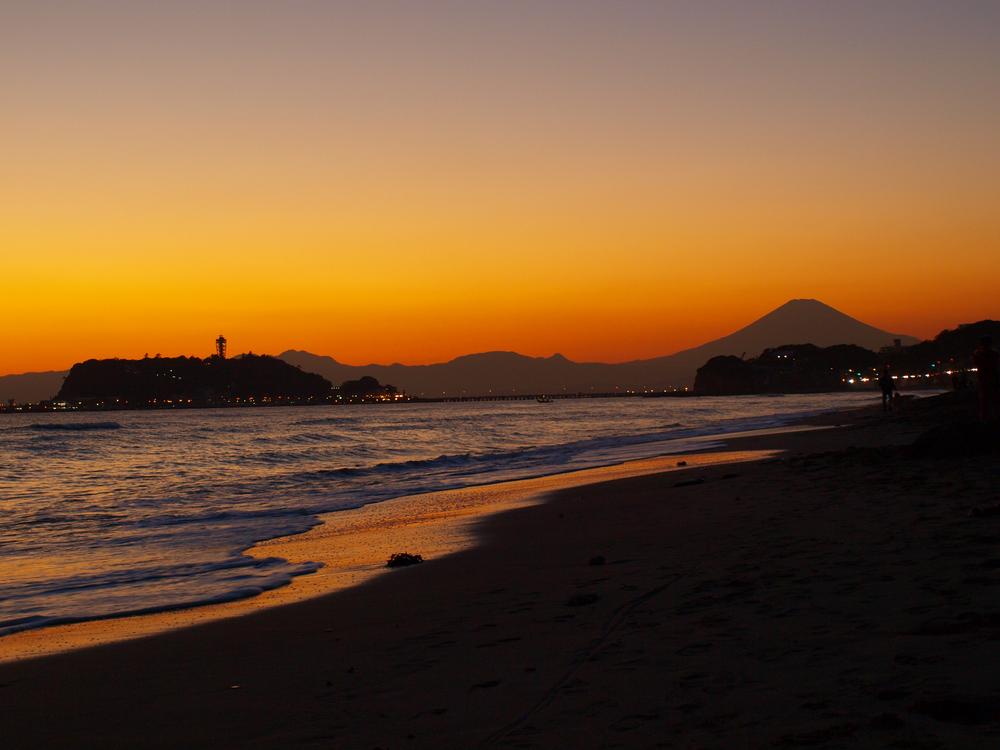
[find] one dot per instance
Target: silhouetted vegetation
(366, 388)
(798, 368)
(804, 368)
(190, 380)
(950, 349)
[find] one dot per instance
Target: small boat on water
(544, 400)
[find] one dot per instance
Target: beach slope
(843, 595)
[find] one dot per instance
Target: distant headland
(213, 382)
(942, 362)
(154, 382)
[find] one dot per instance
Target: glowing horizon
(203, 350)
(389, 183)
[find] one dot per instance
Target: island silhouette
(182, 381)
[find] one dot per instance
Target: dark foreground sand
(847, 595)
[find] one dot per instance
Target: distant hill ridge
(31, 386)
(804, 321)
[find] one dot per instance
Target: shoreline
(446, 534)
(833, 596)
(35, 408)
(374, 531)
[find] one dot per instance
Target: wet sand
(843, 595)
(353, 547)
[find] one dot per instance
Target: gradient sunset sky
(410, 181)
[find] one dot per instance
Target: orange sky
(610, 181)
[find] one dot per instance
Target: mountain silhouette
(799, 321)
(802, 321)
(471, 374)
(31, 386)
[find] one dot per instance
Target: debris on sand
(402, 559)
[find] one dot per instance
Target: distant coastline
(269, 402)
(721, 367)
(506, 372)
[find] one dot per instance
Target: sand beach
(838, 591)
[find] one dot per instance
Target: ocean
(114, 513)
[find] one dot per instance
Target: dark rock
(581, 600)
(596, 560)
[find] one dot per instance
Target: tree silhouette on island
(158, 381)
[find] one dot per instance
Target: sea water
(106, 514)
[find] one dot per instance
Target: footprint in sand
(484, 685)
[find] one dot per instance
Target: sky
(411, 181)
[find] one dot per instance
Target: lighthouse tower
(220, 346)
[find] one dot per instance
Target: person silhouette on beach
(888, 385)
(987, 363)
